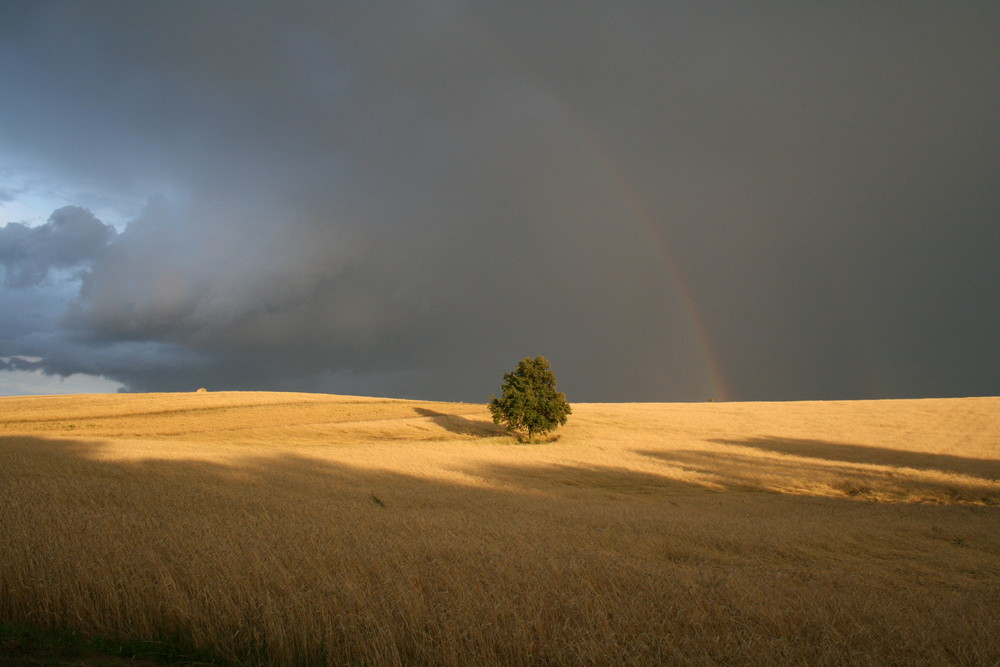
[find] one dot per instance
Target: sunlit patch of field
(309, 529)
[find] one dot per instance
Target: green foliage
(530, 402)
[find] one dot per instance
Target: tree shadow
(987, 469)
(463, 425)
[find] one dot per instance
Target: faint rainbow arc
(675, 278)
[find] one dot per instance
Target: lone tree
(530, 401)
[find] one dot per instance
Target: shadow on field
(202, 547)
(866, 454)
(867, 478)
(76, 472)
(559, 477)
(463, 425)
(289, 559)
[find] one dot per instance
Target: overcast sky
(671, 201)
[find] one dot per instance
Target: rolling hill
(307, 529)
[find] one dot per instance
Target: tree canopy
(530, 402)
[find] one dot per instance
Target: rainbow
(639, 215)
(675, 279)
(593, 152)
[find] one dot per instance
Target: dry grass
(307, 529)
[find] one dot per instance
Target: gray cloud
(18, 364)
(71, 237)
(407, 200)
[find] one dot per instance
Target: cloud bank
(71, 238)
(671, 203)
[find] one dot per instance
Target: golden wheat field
(302, 529)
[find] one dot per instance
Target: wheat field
(304, 529)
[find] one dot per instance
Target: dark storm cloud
(71, 237)
(407, 200)
(17, 364)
